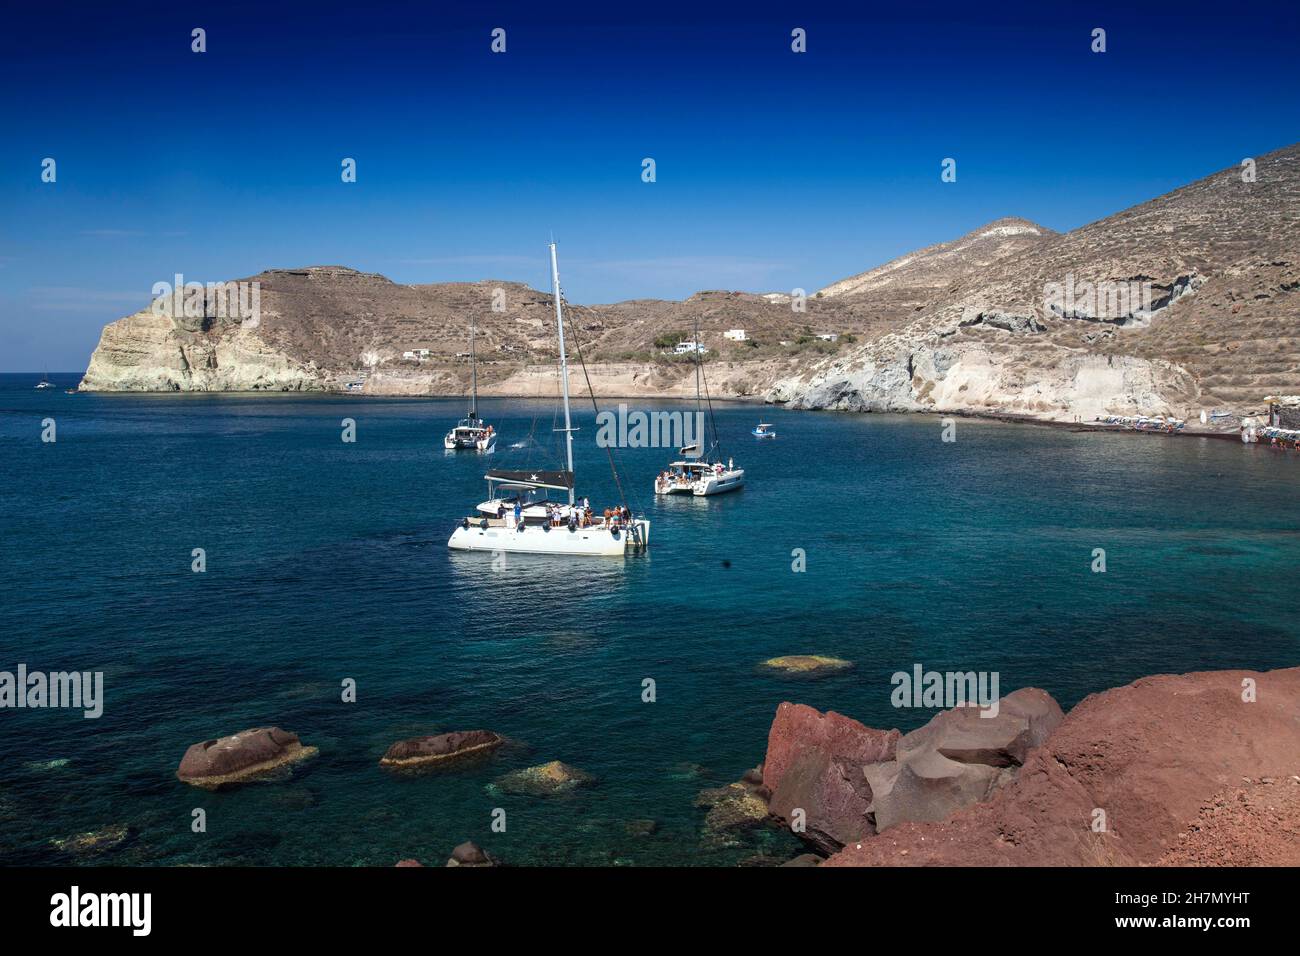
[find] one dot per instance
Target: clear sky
(775, 170)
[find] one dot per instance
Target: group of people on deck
(578, 515)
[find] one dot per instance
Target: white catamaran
(519, 516)
(471, 431)
(699, 476)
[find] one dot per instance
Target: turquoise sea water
(328, 561)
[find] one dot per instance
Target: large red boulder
(241, 757)
(1123, 780)
(815, 763)
(440, 750)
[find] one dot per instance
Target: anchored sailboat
(471, 431)
(700, 475)
(519, 516)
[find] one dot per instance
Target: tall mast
(564, 368)
(473, 366)
(697, 373)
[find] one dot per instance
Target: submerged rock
(545, 780)
(440, 750)
(641, 828)
(39, 765)
(407, 863)
(240, 758)
(735, 806)
(806, 665)
(94, 841)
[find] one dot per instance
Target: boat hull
(720, 484)
(674, 488)
(536, 539)
(486, 444)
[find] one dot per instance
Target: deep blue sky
(775, 170)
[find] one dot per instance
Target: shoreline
(1006, 418)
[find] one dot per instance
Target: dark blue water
(328, 561)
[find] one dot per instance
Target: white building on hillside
(686, 348)
(735, 335)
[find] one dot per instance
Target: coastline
(487, 391)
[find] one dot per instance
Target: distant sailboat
(45, 381)
(699, 475)
(518, 515)
(471, 431)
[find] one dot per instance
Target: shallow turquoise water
(328, 560)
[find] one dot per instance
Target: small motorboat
(763, 430)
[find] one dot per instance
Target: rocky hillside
(320, 327)
(916, 279)
(1189, 301)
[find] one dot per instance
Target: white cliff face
(151, 352)
(972, 378)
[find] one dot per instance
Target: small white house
(829, 336)
(686, 348)
(416, 355)
(735, 335)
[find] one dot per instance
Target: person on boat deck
(519, 514)
(501, 513)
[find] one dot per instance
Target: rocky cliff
(1191, 300)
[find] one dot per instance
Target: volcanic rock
(241, 757)
(815, 763)
(969, 735)
(1125, 774)
(470, 854)
(440, 750)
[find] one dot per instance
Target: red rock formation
(1155, 756)
(814, 762)
(240, 757)
(441, 749)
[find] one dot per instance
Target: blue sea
(327, 561)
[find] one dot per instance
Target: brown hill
(1218, 266)
(1184, 302)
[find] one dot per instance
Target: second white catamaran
(519, 516)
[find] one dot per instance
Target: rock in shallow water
(240, 758)
(439, 750)
(545, 780)
(806, 665)
(470, 853)
(94, 841)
